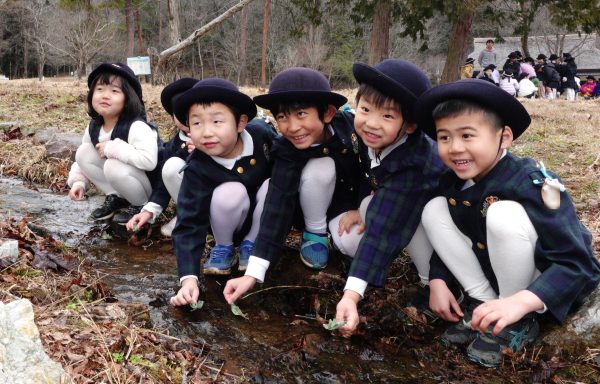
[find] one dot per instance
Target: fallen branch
(282, 287)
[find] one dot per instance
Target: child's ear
(329, 114)
(242, 124)
(507, 137)
(411, 128)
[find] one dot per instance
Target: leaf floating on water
(237, 311)
(106, 236)
(334, 324)
(197, 305)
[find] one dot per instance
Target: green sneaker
(487, 349)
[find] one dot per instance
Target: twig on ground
(282, 287)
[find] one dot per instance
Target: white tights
(171, 176)
(511, 240)
(112, 176)
(317, 185)
(419, 248)
(229, 208)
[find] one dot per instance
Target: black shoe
(125, 214)
(111, 204)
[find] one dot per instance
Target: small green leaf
(135, 227)
(334, 324)
(197, 305)
(237, 311)
(106, 236)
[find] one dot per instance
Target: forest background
(248, 41)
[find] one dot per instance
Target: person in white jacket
(508, 84)
(526, 87)
(119, 150)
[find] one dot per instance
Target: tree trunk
(129, 26)
(458, 46)
(380, 32)
(160, 60)
(201, 61)
(138, 22)
(263, 55)
(25, 58)
(173, 22)
(41, 61)
(243, 46)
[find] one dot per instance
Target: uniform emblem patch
(266, 151)
(486, 204)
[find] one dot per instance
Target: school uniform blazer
(173, 148)
(403, 183)
(351, 164)
(563, 252)
(200, 179)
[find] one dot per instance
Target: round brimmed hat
(176, 88)
(120, 69)
(482, 92)
(299, 84)
(508, 73)
(553, 57)
(513, 55)
(490, 66)
(470, 60)
(541, 56)
(399, 79)
(567, 56)
(591, 77)
(213, 90)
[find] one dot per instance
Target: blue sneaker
(246, 248)
(314, 250)
(220, 261)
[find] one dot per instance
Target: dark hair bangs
(289, 107)
(455, 107)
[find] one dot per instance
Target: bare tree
(160, 60)
(265, 34)
(129, 26)
(380, 32)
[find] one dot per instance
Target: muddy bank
(281, 341)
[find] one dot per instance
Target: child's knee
(115, 171)
(170, 170)
(431, 213)
(508, 218)
(319, 170)
(229, 197)
(86, 153)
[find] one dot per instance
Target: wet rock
(9, 252)
(581, 330)
(22, 356)
(58, 144)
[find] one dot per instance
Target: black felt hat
(508, 73)
(567, 56)
(541, 56)
(513, 55)
(213, 90)
(173, 90)
(120, 69)
(470, 60)
(299, 84)
(553, 57)
(482, 92)
(398, 79)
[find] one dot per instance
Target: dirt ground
(93, 337)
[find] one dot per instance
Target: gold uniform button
(452, 202)
(240, 170)
(252, 161)
(480, 245)
(466, 203)
(326, 151)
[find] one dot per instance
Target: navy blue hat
(553, 57)
(541, 56)
(399, 79)
(470, 60)
(173, 90)
(299, 84)
(513, 55)
(120, 69)
(213, 89)
(482, 92)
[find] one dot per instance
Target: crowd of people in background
(545, 77)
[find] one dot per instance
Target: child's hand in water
(138, 221)
(188, 293)
(350, 219)
(77, 192)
